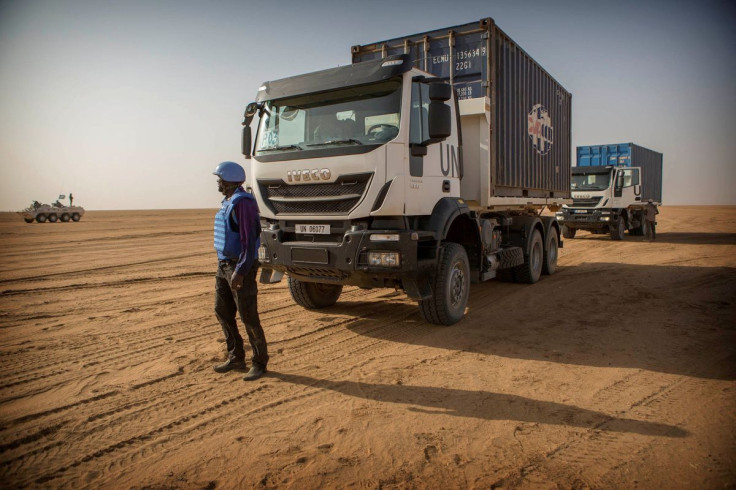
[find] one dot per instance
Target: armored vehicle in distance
(52, 213)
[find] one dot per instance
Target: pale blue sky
(131, 105)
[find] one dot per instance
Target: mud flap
(270, 276)
(417, 289)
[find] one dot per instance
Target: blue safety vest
(227, 238)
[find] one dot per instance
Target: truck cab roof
(335, 78)
(603, 169)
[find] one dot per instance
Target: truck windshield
(591, 182)
(363, 115)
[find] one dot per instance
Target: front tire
(76, 217)
(65, 217)
(28, 220)
(41, 218)
(568, 232)
(450, 288)
(314, 295)
(617, 230)
(53, 218)
(640, 230)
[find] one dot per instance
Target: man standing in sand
(650, 216)
(237, 236)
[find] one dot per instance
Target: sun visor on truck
(335, 78)
(591, 170)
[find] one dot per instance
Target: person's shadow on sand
(484, 405)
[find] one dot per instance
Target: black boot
(231, 364)
(256, 371)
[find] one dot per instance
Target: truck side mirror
(440, 91)
(440, 120)
(440, 115)
(619, 180)
(250, 111)
(247, 142)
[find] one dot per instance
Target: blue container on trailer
(627, 155)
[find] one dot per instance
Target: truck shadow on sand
(484, 405)
(668, 237)
(670, 319)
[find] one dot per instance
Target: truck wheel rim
(553, 250)
(457, 285)
(536, 257)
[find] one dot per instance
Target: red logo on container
(540, 129)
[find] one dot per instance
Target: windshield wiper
(337, 142)
(282, 148)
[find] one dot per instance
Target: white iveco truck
(611, 186)
(378, 174)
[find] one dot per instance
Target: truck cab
(606, 200)
(342, 175)
(611, 186)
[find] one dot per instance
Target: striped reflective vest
(227, 238)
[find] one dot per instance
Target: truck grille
(590, 202)
(333, 198)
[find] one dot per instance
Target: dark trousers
(651, 230)
(228, 302)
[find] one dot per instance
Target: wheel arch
(551, 226)
(451, 221)
(522, 229)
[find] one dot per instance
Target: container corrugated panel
(628, 155)
(530, 111)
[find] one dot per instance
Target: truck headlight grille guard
(338, 197)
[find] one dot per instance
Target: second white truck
(423, 166)
(611, 186)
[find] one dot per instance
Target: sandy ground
(616, 372)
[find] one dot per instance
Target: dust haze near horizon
(131, 105)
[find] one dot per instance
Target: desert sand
(616, 372)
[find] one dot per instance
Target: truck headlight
(605, 218)
(263, 254)
(385, 237)
(384, 259)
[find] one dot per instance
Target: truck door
(627, 185)
(636, 183)
(619, 185)
(434, 166)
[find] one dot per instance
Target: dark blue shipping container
(529, 111)
(627, 155)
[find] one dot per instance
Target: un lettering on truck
(529, 111)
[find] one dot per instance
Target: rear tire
(65, 217)
(53, 218)
(568, 232)
(450, 287)
(530, 271)
(314, 295)
(41, 218)
(640, 230)
(617, 230)
(551, 252)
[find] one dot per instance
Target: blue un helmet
(230, 172)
